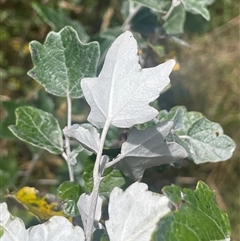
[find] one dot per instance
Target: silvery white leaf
(87, 135)
(147, 148)
(133, 213)
(13, 228)
(121, 94)
(83, 204)
(58, 229)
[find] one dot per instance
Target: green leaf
(203, 140)
(197, 217)
(38, 128)
(112, 178)
(176, 20)
(198, 7)
(100, 235)
(69, 193)
(62, 61)
(57, 20)
(156, 5)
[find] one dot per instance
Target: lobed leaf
(38, 128)
(133, 213)
(203, 140)
(127, 88)
(57, 229)
(197, 216)
(147, 148)
(62, 61)
(12, 228)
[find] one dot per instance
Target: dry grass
(211, 73)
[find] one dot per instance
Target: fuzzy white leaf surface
(87, 135)
(13, 228)
(147, 148)
(84, 204)
(121, 94)
(133, 213)
(57, 229)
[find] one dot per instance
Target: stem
(113, 162)
(96, 183)
(175, 3)
(66, 155)
(132, 12)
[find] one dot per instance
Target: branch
(96, 183)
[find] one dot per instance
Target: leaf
(176, 20)
(127, 88)
(57, 20)
(198, 7)
(100, 235)
(87, 135)
(74, 153)
(12, 228)
(69, 193)
(57, 229)
(106, 38)
(44, 206)
(83, 204)
(197, 216)
(156, 5)
(62, 61)
(38, 128)
(147, 148)
(133, 214)
(111, 178)
(203, 140)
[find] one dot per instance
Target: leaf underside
(126, 89)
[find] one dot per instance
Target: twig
(113, 162)
(175, 3)
(132, 12)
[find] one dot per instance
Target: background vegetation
(206, 80)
